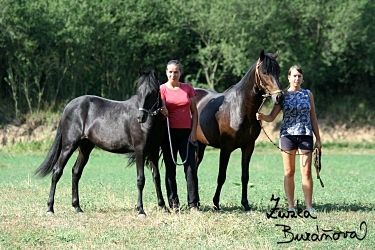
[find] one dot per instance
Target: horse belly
(116, 141)
(208, 104)
(208, 131)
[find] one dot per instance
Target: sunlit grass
(108, 196)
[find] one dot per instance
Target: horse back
(109, 124)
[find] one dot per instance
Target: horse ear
(156, 73)
(276, 54)
(140, 72)
(261, 56)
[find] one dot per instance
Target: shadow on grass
(329, 207)
(325, 208)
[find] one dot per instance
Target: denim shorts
(291, 142)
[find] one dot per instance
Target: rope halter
(151, 111)
(260, 82)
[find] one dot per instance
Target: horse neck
(245, 101)
(245, 92)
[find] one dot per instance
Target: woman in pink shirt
(180, 107)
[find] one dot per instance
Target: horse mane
(269, 63)
(148, 81)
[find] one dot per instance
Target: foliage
(53, 51)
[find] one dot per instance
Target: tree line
(52, 51)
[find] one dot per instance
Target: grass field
(108, 196)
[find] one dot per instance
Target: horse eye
(265, 73)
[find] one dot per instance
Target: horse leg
(246, 156)
(57, 173)
(224, 159)
(156, 176)
(140, 160)
(85, 149)
(200, 156)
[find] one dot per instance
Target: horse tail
(47, 166)
(132, 161)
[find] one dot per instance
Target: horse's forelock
(270, 65)
(148, 81)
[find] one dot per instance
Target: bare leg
(289, 161)
(307, 181)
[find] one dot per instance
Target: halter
(149, 111)
(259, 80)
(265, 96)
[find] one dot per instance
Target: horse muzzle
(142, 116)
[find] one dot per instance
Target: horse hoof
(217, 208)
(248, 212)
(141, 215)
(49, 213)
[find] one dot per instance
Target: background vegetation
(108, 196)
(52, 51)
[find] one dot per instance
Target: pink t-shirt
(178, 104)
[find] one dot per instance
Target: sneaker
(291, 209)
(311, 210)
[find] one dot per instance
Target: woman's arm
(314, 123)
(164, 109)
(194, 119)
(271, 116)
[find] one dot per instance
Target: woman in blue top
(296, 133)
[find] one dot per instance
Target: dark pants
(291, 142)
(179, 138)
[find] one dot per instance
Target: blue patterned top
(296, 114)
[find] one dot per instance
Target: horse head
(148, 94)
(267, 73)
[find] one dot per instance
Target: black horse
(115, 126)
(227, 120)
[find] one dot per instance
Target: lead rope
(318, 164)
(316, 153)
(261, 125)
(170, 146)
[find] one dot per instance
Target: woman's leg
(307, 181)
(190, 169)
(289, 161)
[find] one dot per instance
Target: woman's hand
(259, 116)
(193, 137)
(318, 145)
(164, 111)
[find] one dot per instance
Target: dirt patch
(34, 131)
(328, 132)
(12, 134)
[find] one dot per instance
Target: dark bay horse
(227, 120)
(133, 126)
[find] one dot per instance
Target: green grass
(108, 196)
